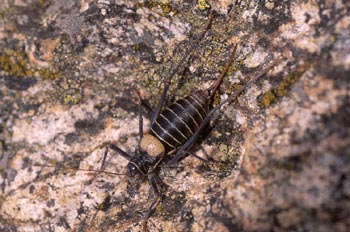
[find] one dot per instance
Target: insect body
(171, 129)
(174, 130)
(177, 123)
(176, 126)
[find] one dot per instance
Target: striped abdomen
(177, 123)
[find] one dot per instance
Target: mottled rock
(70, 76)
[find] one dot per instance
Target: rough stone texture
(70, 72)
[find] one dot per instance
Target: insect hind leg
(183, 150)
(178, 67)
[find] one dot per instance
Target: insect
(174, 129)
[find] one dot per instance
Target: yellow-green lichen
(283, 87)
(16, 63)
(132, 59)
(160, 207)
(216, 99)
(123, 139)
(51, 162)
(233, 88)
(48, 73)
(231, 70)
(267, 99)
(165, 8)
(225, 165)
(72, 99)
(223, 148)
(41, 4)
(281, 90)
(202, 5)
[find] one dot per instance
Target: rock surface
(70, 75)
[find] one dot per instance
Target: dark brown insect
(174, 130)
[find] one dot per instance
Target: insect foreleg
(156, 186)
(116, 149)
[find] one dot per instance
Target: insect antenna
(81, 169)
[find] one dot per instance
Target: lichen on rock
(70, 79)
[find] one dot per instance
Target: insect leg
(116, 149)
(140, 123)
(153, 180)
(104, 159)
(177, 67)
(183, 150)
(150, 211)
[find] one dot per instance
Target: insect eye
(132, 170)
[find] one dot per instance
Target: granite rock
(70, 76)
